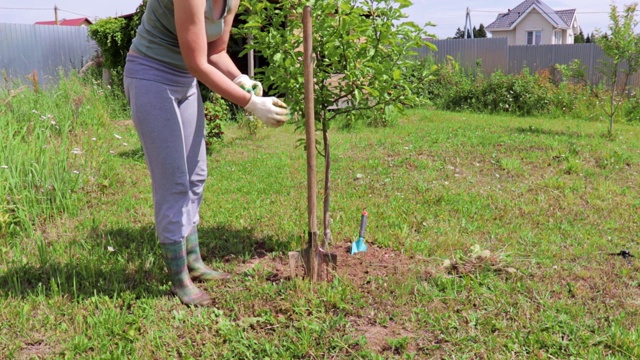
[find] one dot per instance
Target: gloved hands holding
(270, 110)
(248, 85)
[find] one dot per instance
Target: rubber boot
(181, 285)
(197, 269)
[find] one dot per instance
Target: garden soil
(358, 269)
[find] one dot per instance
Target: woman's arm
(217, 49)
(197, 54)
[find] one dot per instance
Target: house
(68, 22)
(533, 22)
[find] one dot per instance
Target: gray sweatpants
(168, 115)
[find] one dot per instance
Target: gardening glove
(270, 110)
(248, 85)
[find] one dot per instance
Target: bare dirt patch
(375, 262)
(357, 268)
(378, 336)
(37, 349)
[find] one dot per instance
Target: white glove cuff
(240, 78)
(251, 105)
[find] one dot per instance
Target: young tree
(362, 50)
(622, 46)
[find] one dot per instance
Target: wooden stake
(309, 255)
(250, 59)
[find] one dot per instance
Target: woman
(178, 42)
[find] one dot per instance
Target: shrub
(248, 123)
(632, 109)
(415, 74)
(216, 112)
(114, 37)
(383, 117)
(452, 88)
(572, 99)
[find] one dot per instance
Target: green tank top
(156, 36)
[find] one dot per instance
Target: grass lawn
(489, 236)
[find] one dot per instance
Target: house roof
(506, 21)
(66, 22)
(567, 15)
(127, 16)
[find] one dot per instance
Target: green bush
(114, 37)
(415, 73)
(522, 94)
(573, 99)
(632, 109)
(382, 117)
(452, 88)
(216, 112)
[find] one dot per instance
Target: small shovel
(359, 245)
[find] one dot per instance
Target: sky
(447, 15)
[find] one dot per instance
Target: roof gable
(66, 22)
(506, 21)
(567, 16)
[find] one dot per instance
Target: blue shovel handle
(363, 224)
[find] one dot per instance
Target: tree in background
(114, 37)
(622, 46)
(459, 34)
(478, 33)
(362, 49)
(591, 38)
(579, 38)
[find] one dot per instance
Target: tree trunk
(613, 101)
(327, 184)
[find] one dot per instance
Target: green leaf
(252, 25)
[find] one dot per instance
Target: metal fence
(493, 54)
(26, 48)
(489, 55)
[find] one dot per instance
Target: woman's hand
(248, 85)
(271, 111)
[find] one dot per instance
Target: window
(534, 37)
(557, 37)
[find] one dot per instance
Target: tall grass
(48, 143)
